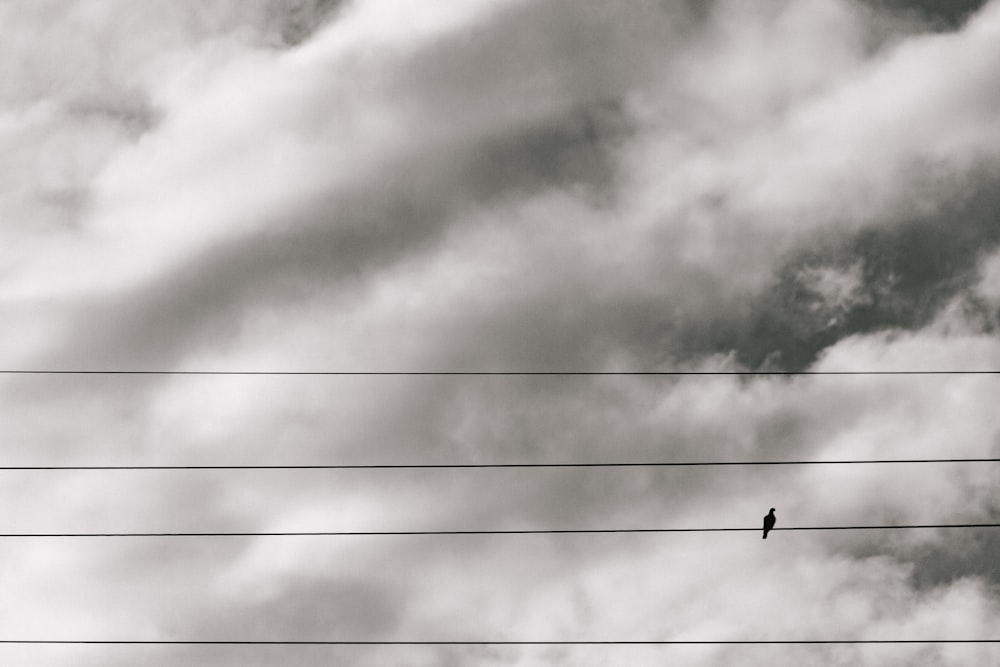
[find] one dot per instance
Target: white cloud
(496, 185)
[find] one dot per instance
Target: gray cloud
(339, 239)
(943, 14)
(297, 21)
(500, 185)
(907, 272)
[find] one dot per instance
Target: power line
(488, 373)
(432, 466)
(651, 642)
(566, 531)
(446, 466)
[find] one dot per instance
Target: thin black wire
(567, 531)
(489, 373)
(423, 466)
(652, 642)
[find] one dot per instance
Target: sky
(413, 194)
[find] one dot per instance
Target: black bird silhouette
(768, 522)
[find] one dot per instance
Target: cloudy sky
(499, 185)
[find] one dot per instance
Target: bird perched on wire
(769, 522)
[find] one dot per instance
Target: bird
(768, 522)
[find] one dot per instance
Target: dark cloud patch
(883, 277)
(958, 554)
(942, 562)
(938, 14)
(295, 21)
(574, 151)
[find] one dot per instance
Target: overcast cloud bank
(500, 185)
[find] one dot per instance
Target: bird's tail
(765, 535)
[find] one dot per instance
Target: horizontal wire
(423, 466)
(612, 642)
(567, 531)
(489, 373)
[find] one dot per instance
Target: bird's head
(772, 511)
